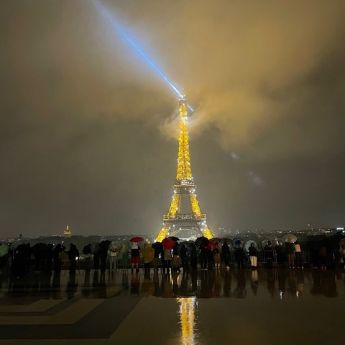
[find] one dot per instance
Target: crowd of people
(208, 255)
(172, 254)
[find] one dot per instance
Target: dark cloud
(87, 130)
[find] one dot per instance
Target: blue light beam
(124, 35)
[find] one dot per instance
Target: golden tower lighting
(184, 216)
(187, 320)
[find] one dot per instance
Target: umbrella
(201, 241)
(3, 249)
(237, 243)
(105, 243)
(290, 238)
(168, 243)
(211, 246)
(249, 243)
(265, 242)
(157, 246)
(136, 239)
(87, 249)
(174, 238)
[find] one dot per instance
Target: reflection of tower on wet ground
(187, 320)
(172, 285)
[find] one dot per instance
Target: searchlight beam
(118, 29)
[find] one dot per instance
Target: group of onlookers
(181, 255)
(191, 255)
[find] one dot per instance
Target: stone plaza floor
(198, 308)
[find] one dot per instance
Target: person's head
(252, 245)
(269, 243)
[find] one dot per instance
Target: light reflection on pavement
(194, 308)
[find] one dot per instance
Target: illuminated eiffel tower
(184, 218)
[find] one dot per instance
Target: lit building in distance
(67, 232)
(184, 217)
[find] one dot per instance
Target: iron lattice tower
(184, 215)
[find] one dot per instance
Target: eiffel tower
(184, 218)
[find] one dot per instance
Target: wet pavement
(199, 308)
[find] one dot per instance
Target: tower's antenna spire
(184, 170)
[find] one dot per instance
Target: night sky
(88, 131)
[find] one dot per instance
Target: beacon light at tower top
(118, 29)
